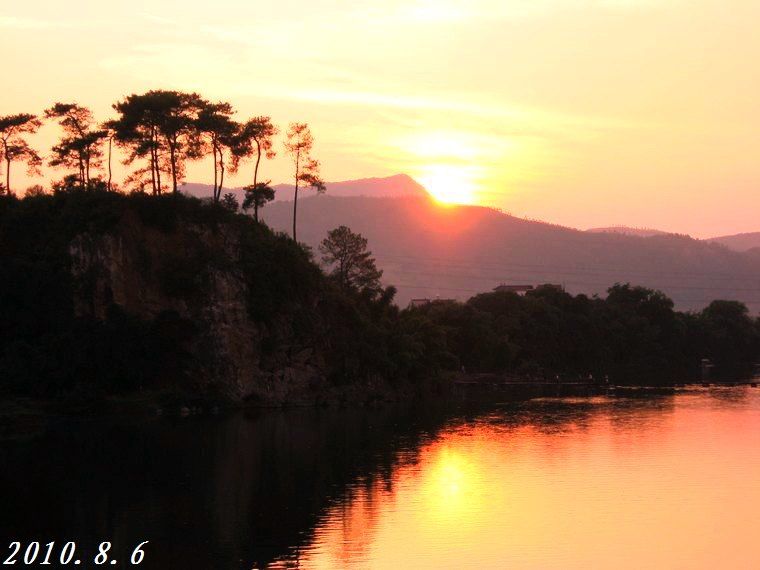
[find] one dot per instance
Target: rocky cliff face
(190, 276)
(110, 295)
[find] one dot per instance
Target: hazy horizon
(585, 114)
(308, 194)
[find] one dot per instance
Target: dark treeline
(633, 336)
(159, 132)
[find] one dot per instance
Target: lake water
(666, 481)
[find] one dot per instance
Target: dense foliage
(632, 336)
(49, 349)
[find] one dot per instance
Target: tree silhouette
(177, 125)
(80, 146)
(230, 202)
(731, 337)
(256, 136)
(110, 132)
(352, 265)
(161, 126)
(221, 133)
(257, 196)
(35, 190)
(14, 147)
(136, 129)
(298, 145)
(72, 182)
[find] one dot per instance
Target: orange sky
(580, 112)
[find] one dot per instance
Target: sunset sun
(449, 184)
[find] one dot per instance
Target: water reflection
(666, 481)
(232, 492)
(624, 483)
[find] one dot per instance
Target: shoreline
(23, 417)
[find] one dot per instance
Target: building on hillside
(523, 289)
(423, 302)
(519, 289)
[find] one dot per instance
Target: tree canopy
(13, 144)
(160, 131)
(219, 133)
(257, 196)
(256, 138)
(349, 261)
(298, 144)
(80, 147)
(633, 336)
(161, 126)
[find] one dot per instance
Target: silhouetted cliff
(103, 293)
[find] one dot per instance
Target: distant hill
(399, 185)
(430, 251)
(205, 190)
(739, 242)
(628, 231)
(736, 242)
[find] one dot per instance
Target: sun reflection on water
(601, 484)
(451, 485)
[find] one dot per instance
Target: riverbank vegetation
(633, 336)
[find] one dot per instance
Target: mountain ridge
(397, 185)
(628, 230)
(433, 251)
(738, 242)
(430, 251)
